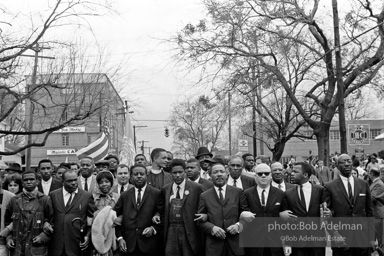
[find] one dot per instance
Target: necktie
(234, 182)
(86, 184)
(350, 191)
(68, 202)
(302, 198)
(122, 189)
(280, 187)
(178, 192)
(138, 196)
(221, 197)
(263, 198)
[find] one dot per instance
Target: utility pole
(339, 79)
(254, 85)
(29, 103)
(229, 124)
(134, 133)
(142, 146)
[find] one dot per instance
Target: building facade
(87, 104)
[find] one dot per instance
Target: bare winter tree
(266, 31)
(24, 97)
(196, 124)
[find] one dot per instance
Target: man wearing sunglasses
(264, 200)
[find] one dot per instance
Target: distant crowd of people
(192, 207)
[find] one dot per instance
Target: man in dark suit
(86, 180)
(48, 183)
(122, 178)
(323, 173)
(182, 236)
(350, 197)
(69, 203)
(264, 200)
(377, 192)
(202, 155)
(157, 178)
(137, 235)
(223, 204)
(305, 200)
(235, 177)
(277, 170)
(193, 173)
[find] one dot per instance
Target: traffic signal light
(166, 132)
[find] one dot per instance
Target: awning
(380, 137)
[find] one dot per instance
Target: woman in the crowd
(105, 200)
(13, 183)
(354, 173)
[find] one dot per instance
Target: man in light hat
(277, 170)
(202, 155)
(102, 165)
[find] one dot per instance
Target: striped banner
(97, 149)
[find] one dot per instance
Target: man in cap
(113, 162)
(277, 170)
(13, 168)
(235, 177)
(102, 165)
(202, 155)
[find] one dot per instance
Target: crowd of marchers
(193, 207)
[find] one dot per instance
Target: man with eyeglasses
(48, 183)
(277, 170)
(264, 200)
(348, 197)
(236, 178)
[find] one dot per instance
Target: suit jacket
(247, 181)
(272, 209)
(222, 215)
(292, 202)
(65, 236)
(324, 175)
(207, 184)
(288, 186)
(377, 190)
(336, 197)
(93, 185)
(189, 208)
(137, 218)
(56, 184)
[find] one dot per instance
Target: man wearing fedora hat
(14, 168)
(203, 155)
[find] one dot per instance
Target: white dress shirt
(204, 174)
(46, 185)
(307, 190)
(119, 188)
(276, 185)
(197, 180)
(89, 181)
(345, 182)
(231, 182)
(67, 195)
(174, 190)
(266, 193)
(223, 189)
(141, 192)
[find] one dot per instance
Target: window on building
(64, 116)
(334, 135)
(65, 139)
(374, 133)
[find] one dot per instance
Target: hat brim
(207, 154)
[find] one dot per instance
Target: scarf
(30, 195)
